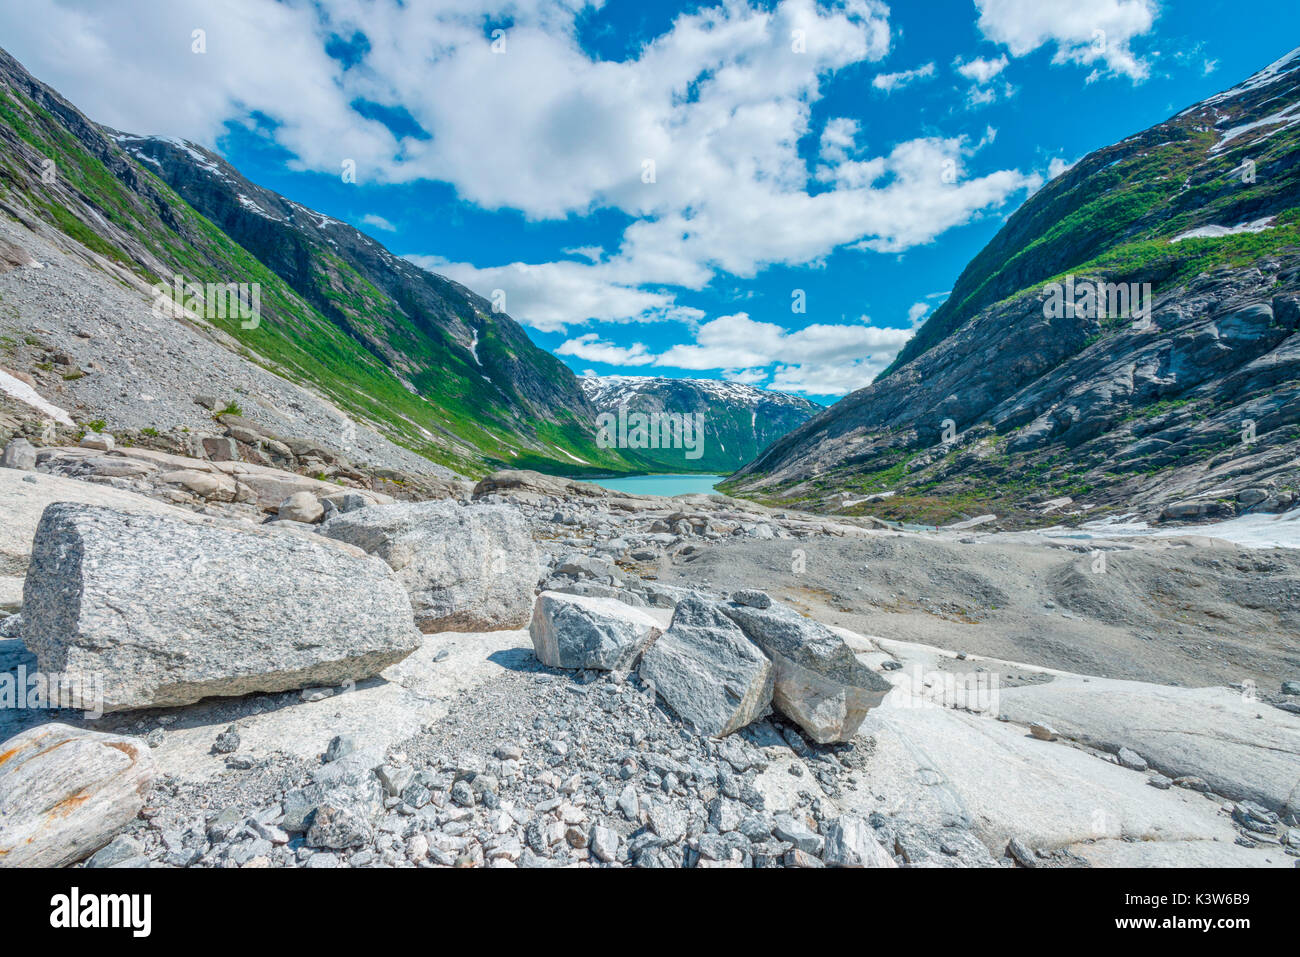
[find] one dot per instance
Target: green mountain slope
(419, 358)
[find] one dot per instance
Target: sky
(775, 193)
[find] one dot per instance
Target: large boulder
(162, 612)
(576, 631)
(707, 671)
(466, 567)
(820, 684)
(66, 792)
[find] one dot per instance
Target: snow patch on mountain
(612, 390)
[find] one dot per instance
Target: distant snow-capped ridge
(612, 390)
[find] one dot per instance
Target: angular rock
(97, 440)
(65, 793)
(165, 612)
(786, 827)
(220, 448)
(301, 507)
(819, 683)
(1132, 760)
(707, 671)
(466, 567)
(574, 631)
(19, 454)
(752, 597)
(208, 485)
(850, 842)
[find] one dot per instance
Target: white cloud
(816, 360)
(916, 313)
(552, 296)
(591, 348)
(719, 102)
(893, 81)
(828, 378)
(1087, 32)
(1057, 166)
(378, 222)
(980, 70)
(745, 376)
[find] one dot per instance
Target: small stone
(227, 741)
(1132, 760)
(787, 828)
(604, 843)
(340, 746)
(1043, 732)
(462, 793)
(1018, 851)
(628, 803)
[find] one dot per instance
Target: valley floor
(1045, 713)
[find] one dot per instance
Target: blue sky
(849, 157)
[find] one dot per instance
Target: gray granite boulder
(466, 567)
(819, 683)
(707, 671)
(154, 612)
(578, 631)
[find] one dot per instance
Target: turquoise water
(659, 484)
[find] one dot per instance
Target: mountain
(1189, 412)
(738, 420)
(419, 358)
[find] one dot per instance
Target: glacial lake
(659, 484)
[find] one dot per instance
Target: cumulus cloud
(979, 70)
(378, 222)
(692, 138)
(591, 348)
(893, 81)
(821, 359)
(1095, 33)
(1057, 166)
(745, 376)
(718, 103)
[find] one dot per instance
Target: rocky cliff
(1126, 343)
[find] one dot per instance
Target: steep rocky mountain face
(1009, 401)
(423, 360)
(738, 421)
